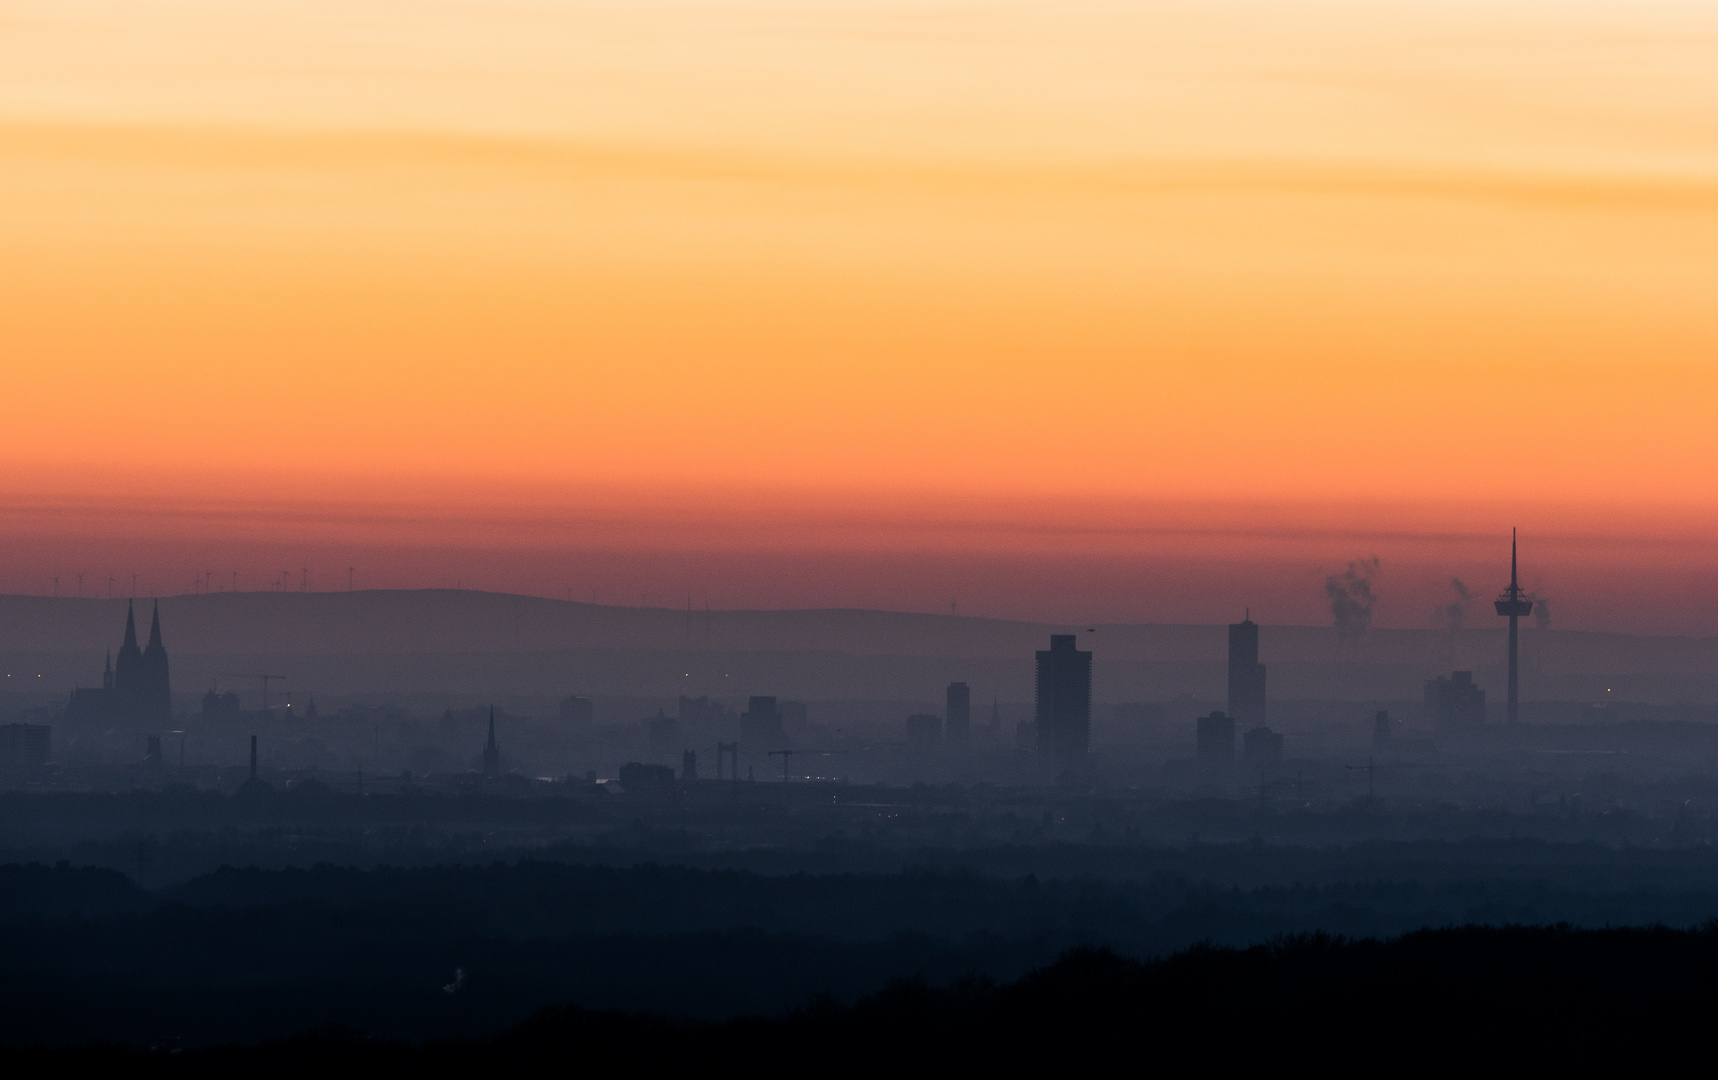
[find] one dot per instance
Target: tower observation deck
(1513, 603)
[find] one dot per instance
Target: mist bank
(468, 642)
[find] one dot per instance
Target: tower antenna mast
(1514, 604)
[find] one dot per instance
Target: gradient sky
(1080, 310)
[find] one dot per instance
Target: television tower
(1513, 603)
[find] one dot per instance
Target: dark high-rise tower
(1514, 603)
(1064, 703)
(1246, 674)
(957, 724)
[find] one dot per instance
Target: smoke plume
(1351, 599)
(1453, 615)
(1541, 613)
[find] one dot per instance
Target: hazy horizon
(1081, 311)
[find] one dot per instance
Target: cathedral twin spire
(135, 686)
(141, 685)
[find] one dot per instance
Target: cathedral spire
(129, 696)
(154, 686)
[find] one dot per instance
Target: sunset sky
(1067, 310)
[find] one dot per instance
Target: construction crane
(1265, 783)
(1372, 767)
(265, 681)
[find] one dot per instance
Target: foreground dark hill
(1506, 996)
(245, 955)
(458, 640)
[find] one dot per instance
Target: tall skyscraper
(958, 725)
(1246, 674)
(1064, 712)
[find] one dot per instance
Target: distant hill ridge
(397, 622)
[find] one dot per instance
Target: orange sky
(1144, 256)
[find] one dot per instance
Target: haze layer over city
(535, 530)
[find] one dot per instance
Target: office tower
(218, 706)
(924, 730)
(958, 725)
(643, 779)
(664, 736)
(1216, 739)
(1246, 674)
(24, 746)
(700, 717)
(760, 726)
(1262, 748)
(1455, 703)
(1064, 708)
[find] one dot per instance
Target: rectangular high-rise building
(1246, 674)
(25, 746)
(1064, 713)
(1262, 748)
(924, 730)
(958, 723)
(1216, 739)
(760, 726)
(1455, 703)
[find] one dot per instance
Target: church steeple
(155, 695)
(128, 678)
(155, 630)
